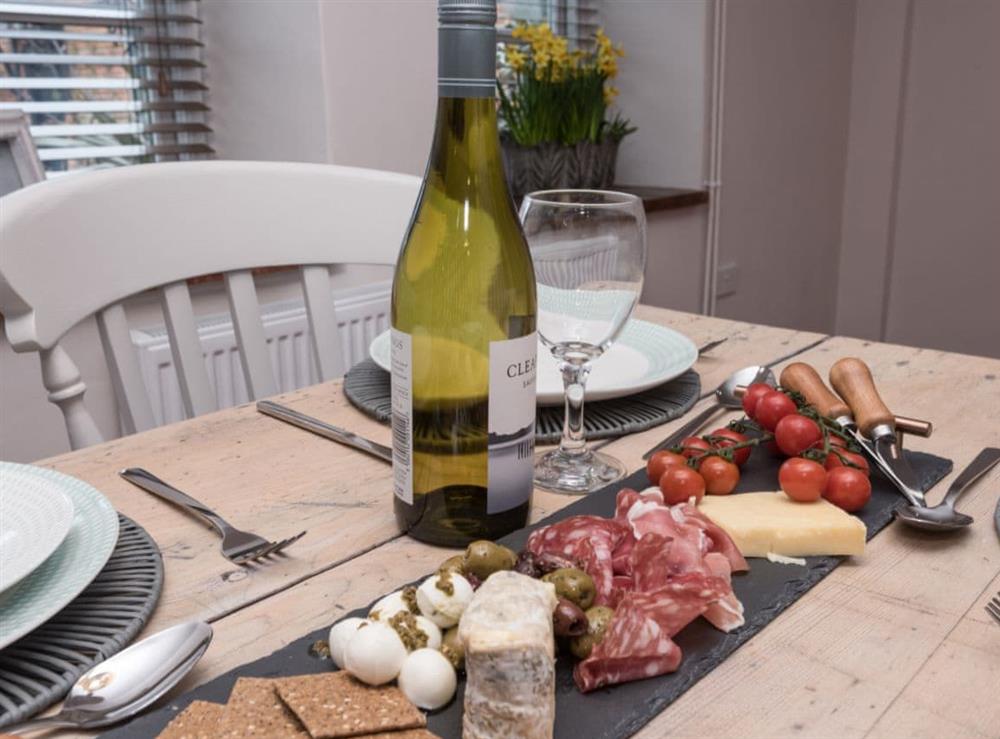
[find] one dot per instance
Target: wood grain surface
(894, 643)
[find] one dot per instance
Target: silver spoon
(725, 397)
(944, 517)
(133, 679)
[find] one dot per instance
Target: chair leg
(61, 378)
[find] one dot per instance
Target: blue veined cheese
(506, 632)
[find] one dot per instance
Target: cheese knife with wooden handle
(803, 379)
(876, 424)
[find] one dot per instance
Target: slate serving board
(621, 710)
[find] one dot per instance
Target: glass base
(576, 474)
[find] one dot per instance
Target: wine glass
(589, 251)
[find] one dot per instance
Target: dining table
(892, 643)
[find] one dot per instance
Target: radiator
(362, 314)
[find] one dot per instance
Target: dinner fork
(993, 608)
(239, 547)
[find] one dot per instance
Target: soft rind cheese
(509, 659)
(772, 522)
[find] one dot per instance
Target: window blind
(577, 20)
(105, 82)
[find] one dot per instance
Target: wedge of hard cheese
(771, 522)
(509, 659)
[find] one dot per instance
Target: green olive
(452, 648)
(573, 585)
(598, 618)
(483, 558)
(454, 565)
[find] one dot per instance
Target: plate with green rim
(74, 563)
(644, 355)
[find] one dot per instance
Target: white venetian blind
(105, 82)
(577, 20)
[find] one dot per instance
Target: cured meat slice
(638, 643)
(726, 613)
(590, 540)
(621, 558)
(623, 502)
(721, 541)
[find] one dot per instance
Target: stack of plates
(643, 356)
(56, 534)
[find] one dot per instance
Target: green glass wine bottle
(463, 314)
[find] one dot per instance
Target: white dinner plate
(644, 356)
(72, 566)
(35, 516)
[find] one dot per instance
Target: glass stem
(574, 381)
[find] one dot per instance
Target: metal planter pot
(557, 166)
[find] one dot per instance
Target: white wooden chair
(79, 245)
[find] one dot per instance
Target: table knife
(326, 430)
(854, 382)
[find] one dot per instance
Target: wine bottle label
(510, 420)
(511, 440)
(402, 415)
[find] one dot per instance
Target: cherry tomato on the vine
(771, 408)
(695, 446)
(755, 391)
(721, 476)
(794, 434)
(802, 479)
(659, 462)
(678, 484)
(833, 461)
(837, 441)
(847, 488)
(740, 456)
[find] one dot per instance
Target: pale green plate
(74, 563)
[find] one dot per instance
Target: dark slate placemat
(620, 710)
(366, 385)
(40, 668)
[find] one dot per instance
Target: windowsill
(665, 198)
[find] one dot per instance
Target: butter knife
(326, 430)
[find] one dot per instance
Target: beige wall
(787, 86)
(662, 82)
(265, 80)
(921, 250)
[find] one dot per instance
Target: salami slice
(638, 643)
(590, 540)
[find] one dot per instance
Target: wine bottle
(463, 314)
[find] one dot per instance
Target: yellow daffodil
(516, 58)
(610, 93)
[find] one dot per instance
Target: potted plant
(557, 130)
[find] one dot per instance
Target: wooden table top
(893, 643)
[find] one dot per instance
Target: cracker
(200, 720)
(333, 704)
(254, 709)
(404, 734)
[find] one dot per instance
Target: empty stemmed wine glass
(589, 251)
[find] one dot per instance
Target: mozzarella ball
(433, 632)
(388, 607)
(443, 598)
(374, 654)
(341, 633)
(427, 679)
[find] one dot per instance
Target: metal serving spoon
(133, 679)
(944, 517)
(725, 397)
